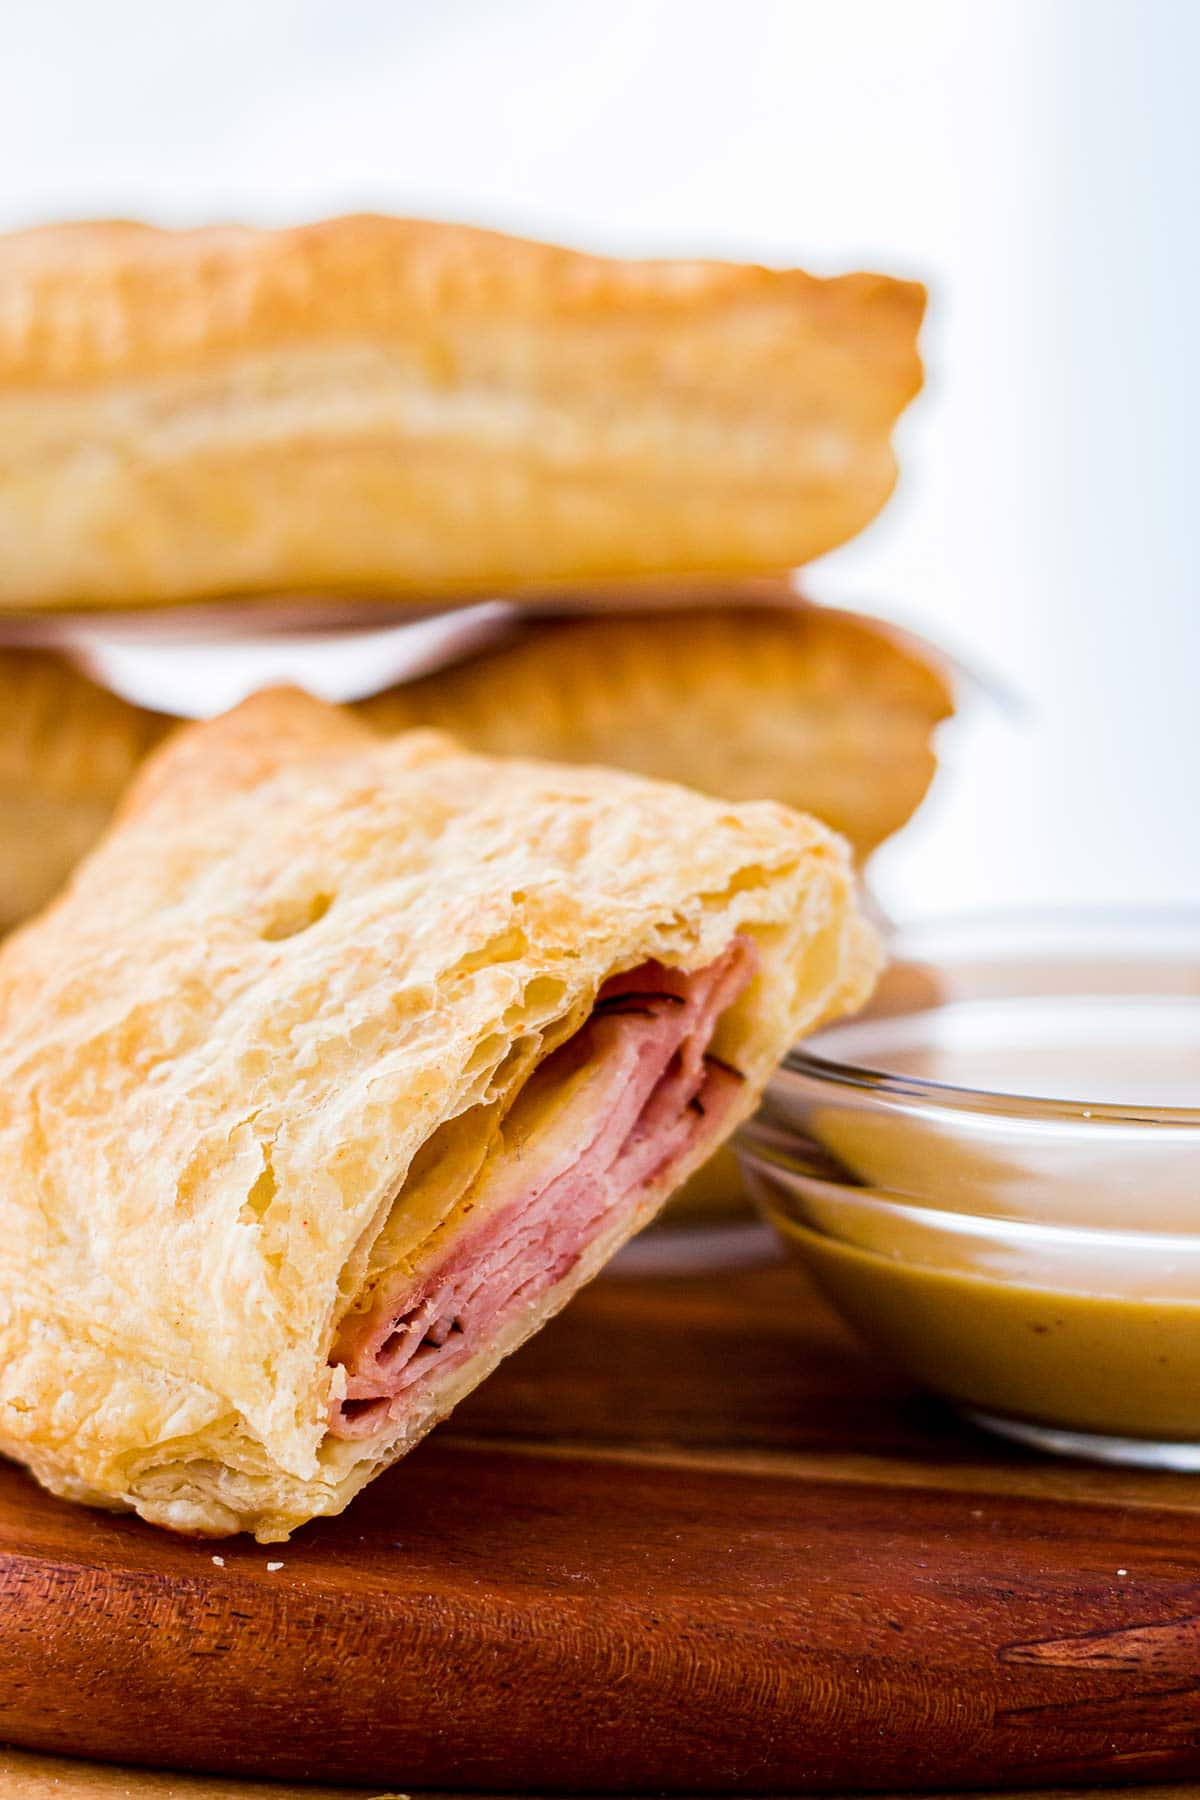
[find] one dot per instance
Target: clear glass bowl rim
(1137, 928)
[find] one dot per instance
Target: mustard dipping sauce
(1121, 1365)
(1038, 1260)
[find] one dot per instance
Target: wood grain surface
(691, 1539)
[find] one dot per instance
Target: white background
(1036, 162)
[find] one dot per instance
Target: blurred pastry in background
(828, 711)
(67, 750)
(410, 409)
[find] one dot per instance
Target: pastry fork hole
(296, 916)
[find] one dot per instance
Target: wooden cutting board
(691, 1539)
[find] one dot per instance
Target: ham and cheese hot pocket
(339, 1066)
(402, 407)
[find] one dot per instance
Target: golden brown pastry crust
(826, 711)
(67, 751)
(403, 407)
(298, 953)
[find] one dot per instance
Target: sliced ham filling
(609, 1114)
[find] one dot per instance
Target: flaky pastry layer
(409, 408)
(227, 1052)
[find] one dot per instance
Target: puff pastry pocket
(340, 1065)
(825, 710)
(377, 404)
(67, 750)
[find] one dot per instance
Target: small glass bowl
(994, 1175)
